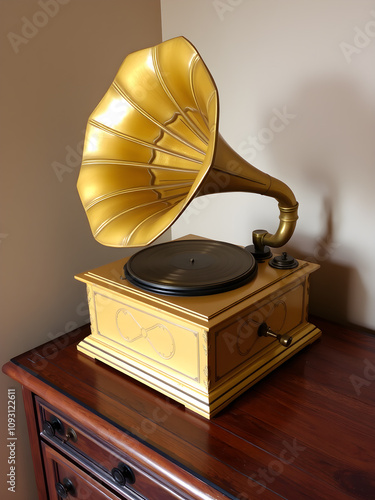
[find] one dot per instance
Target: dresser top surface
(306, 431)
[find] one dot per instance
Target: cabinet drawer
(115, 468)
(66, 480)
(238, 344)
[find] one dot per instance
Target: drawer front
(238, 343)
(66, 480)
(114, 467)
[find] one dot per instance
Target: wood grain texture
(306, 431)
(29, 405)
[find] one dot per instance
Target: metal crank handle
(265, 331)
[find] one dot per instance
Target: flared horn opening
(149, 144)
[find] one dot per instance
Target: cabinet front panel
(119, 470)
(239, 343)
(65, 480)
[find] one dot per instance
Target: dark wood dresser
(307, 431)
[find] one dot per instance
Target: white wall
(52, 77)
(313, 62)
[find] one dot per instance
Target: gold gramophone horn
(152, 145)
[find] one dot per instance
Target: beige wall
(312, 63)
(52, 77)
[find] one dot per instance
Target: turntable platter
(191, 267)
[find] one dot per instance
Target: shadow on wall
(330, 285)
(327, 153)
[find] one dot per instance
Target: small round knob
(123, 474)
(285, 340)
(284, 261)
(63, 489)
(71, 435)
(50, 427)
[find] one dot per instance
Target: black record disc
(191, 267)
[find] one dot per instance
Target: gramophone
(195, 319)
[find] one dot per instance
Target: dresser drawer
(66, 480)
(115, 468)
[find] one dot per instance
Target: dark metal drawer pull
(55, 425)
(65, 488)
(123, 474)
